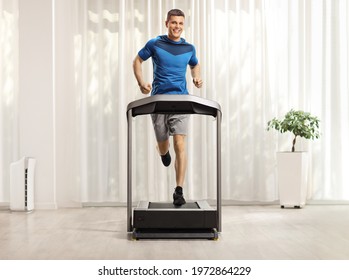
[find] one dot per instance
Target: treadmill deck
(165, 220)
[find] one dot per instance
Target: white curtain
(8, 93)
(307, 57)
(259, 59)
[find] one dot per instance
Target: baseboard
(71, 204)
(45, 206)
(48, 206)
(327, 202)
(105, 204)
(225, 203)
(4, 206)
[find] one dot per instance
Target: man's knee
(179, 143)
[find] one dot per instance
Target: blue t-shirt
(170, 61)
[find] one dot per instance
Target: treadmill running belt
(159, 205)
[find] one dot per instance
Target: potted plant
(293, 166)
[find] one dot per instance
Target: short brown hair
(174, 12)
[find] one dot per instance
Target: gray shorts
(169, 125)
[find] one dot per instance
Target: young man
(171, 55)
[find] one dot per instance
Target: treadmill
(157, 220)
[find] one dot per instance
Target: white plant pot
(292, 171)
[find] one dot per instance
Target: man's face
(175, 26)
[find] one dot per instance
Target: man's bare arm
(196, 74)
(137, 70)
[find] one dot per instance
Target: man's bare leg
(180, 167)
(181, 158)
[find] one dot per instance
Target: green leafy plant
(299, 123)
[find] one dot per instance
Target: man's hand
(145, 88)
(197, 82)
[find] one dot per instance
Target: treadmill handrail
(174, 104)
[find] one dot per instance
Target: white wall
(36, 110)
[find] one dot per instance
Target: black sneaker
(166, 159)
(178, 198)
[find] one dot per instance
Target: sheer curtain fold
(8, 93)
